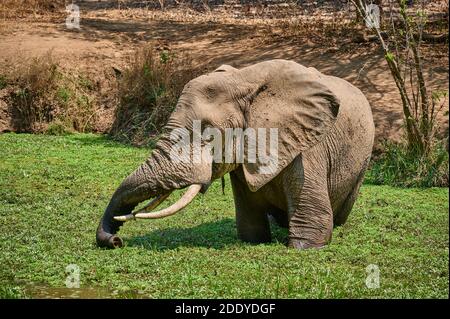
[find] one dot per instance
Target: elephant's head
(275, 94)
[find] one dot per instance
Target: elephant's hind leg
(252, 222)
(341, 215)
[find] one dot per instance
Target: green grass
(53, 190)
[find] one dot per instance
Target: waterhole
(47, 292)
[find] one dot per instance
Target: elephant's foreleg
(251, 215)
(311, 216)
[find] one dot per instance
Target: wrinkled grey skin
(326, 134)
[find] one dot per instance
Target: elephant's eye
(210, 92)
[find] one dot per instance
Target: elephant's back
(354, 111)
(355, 114)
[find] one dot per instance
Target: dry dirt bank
(108, 37)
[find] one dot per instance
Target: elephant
(325, 135)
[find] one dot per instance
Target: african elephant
(325, 138)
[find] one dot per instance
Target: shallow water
(47, 292)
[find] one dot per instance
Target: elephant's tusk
(187, 197)
(152, 205)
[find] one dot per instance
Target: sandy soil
(108, 37)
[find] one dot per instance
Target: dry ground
(109, 36)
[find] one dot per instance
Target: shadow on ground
(218, 234)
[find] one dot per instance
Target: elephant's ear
(301, 108)
(225, 68)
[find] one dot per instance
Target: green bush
(398, 166)
(42, 92)
(57, 128)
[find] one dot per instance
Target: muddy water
(46, 292)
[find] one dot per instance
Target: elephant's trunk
(106, 230)
(156, 176)
(133, 190)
